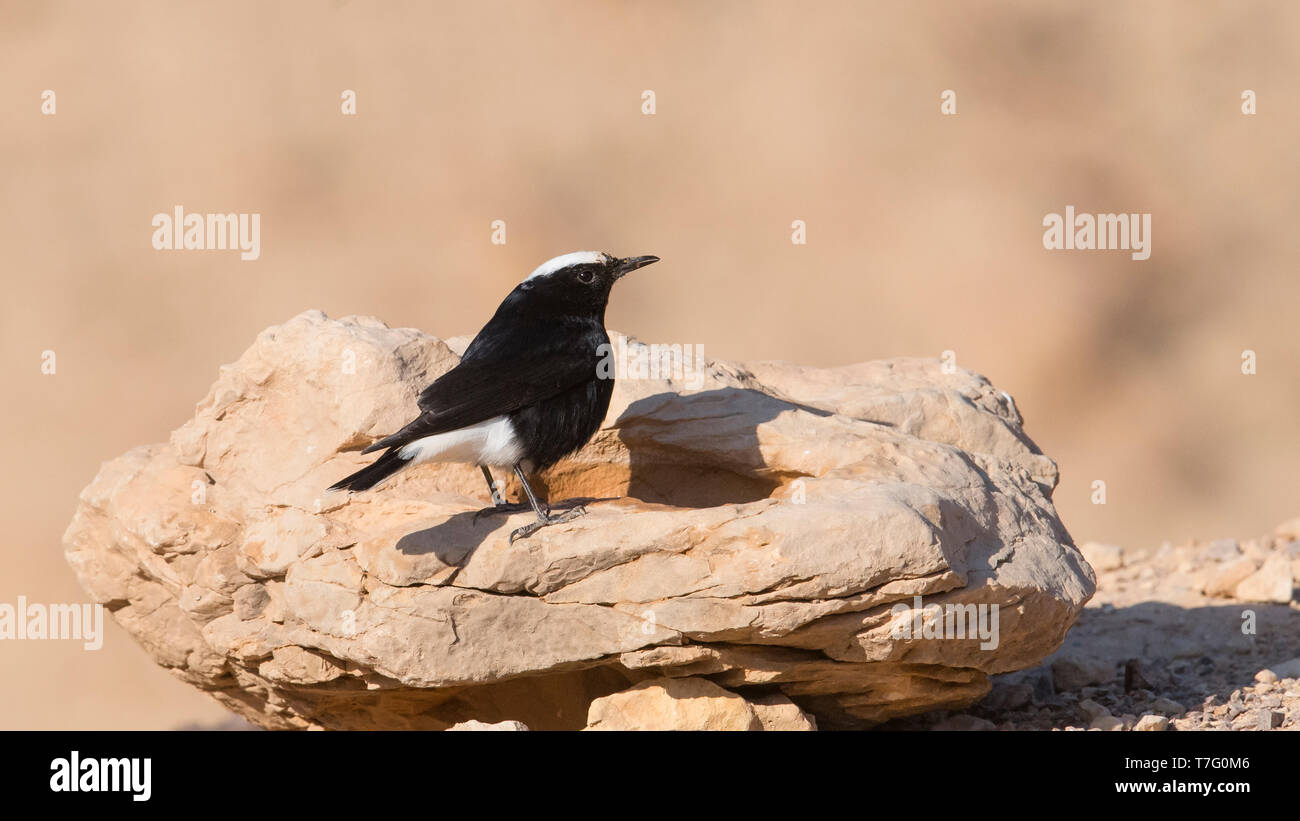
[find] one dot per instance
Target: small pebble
(1106, 722)
(1167, 706)
(1151, 723)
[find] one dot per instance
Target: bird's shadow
(454, 540)
(697, 450)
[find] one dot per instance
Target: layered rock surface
(765, 528)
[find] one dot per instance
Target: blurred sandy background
(924, 231)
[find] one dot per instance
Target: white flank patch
(492, 443)
(550, 266)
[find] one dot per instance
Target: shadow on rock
(453, 541)
(701, 450)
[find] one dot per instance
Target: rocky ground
(1198, 636)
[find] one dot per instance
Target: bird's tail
(374, 473)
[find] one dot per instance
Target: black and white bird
(526, 393)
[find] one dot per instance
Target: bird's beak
(627, 266)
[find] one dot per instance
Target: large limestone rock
(762, 523)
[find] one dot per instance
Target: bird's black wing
(481, 388)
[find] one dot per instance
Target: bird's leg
(499, 503)
(544, 516)
(497, 498)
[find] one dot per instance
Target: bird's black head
(580, 282)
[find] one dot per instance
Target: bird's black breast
(555, 427)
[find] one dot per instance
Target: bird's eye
(585, 276)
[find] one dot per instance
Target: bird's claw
(532, 527)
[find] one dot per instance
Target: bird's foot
(532, 527)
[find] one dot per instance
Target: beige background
(924, 231)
